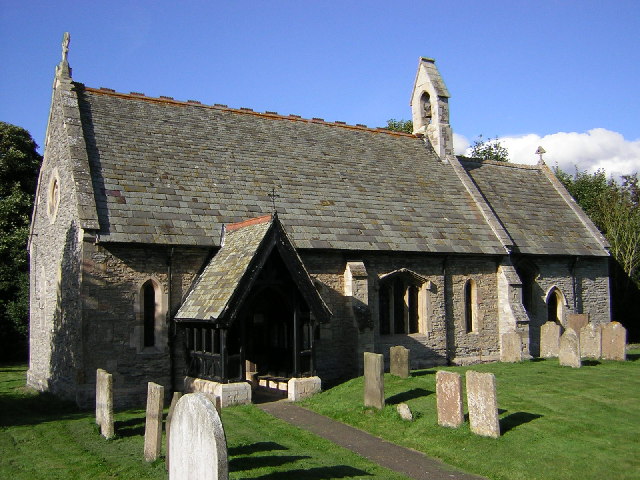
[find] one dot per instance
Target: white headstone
(198, 447)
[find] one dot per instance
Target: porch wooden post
(223, 354)
(296, 337)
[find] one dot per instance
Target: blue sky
(563, 74)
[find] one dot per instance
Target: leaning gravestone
(577, 321)
(482, 402)
(198, 448)
(167, 424)
(449, 399)
(614, 341)
(399, 361)
(153, 425)
(104, 403)
(549, 340)
(511, 347)
(373, 380)
(569, 355)
(591, 341)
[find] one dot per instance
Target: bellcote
(430, 108)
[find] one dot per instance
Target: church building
(201, 245)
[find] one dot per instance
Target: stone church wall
(113, 276)
(588, 294)
(442, 337)
(55, 353)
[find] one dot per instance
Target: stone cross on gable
(66, 40)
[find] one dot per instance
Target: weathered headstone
(167, 423)
(591, 341)
(198, 447)
(405, 412)
(614, 341)
(569, 355)
(549, 340)
(511, 347)
(373, 380)
(153, 425)
(577, 320)
(399, 361)
(482, 402)
(104, 403)
(449, 399)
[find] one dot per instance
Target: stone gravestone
(449, 399)
(614, 341)
(399, 361)
(167, 424)
(511, 347)
(104, 403)
(405, 412)
(577, 320)
(591, 341)
(198, 448)
(373, 380)
(482, 402)
(549, 340)
(569, 355)
(153, 424)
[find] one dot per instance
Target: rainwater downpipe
(574, 285)
(171, 326)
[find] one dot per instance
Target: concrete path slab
(403, 460)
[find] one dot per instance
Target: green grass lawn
(44, 438)
(557, 422)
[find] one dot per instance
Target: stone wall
(113, 276)
(55, 330)
(589, 293)
(442, 338)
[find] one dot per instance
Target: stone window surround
(471, 314)
(160, 344)
(562, 305)
(423, 286)
(53, 195)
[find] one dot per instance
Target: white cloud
(598, 148)
(460, 144)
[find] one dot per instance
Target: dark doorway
(269, 334)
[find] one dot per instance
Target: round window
(53, 196)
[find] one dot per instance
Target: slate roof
(532, 211)
(220, 278)
(226, 280)
(172, 173)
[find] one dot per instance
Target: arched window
(149, 313)
(150, 308)
(401, 302)
(555, 306)
(470, 306)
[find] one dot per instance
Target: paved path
(400, 459)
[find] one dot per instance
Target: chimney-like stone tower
(430, 108)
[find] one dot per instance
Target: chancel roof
(536, 216)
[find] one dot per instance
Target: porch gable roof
(224, 284)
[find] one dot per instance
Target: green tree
(490, 149)
(19, 165)
(405, 126)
